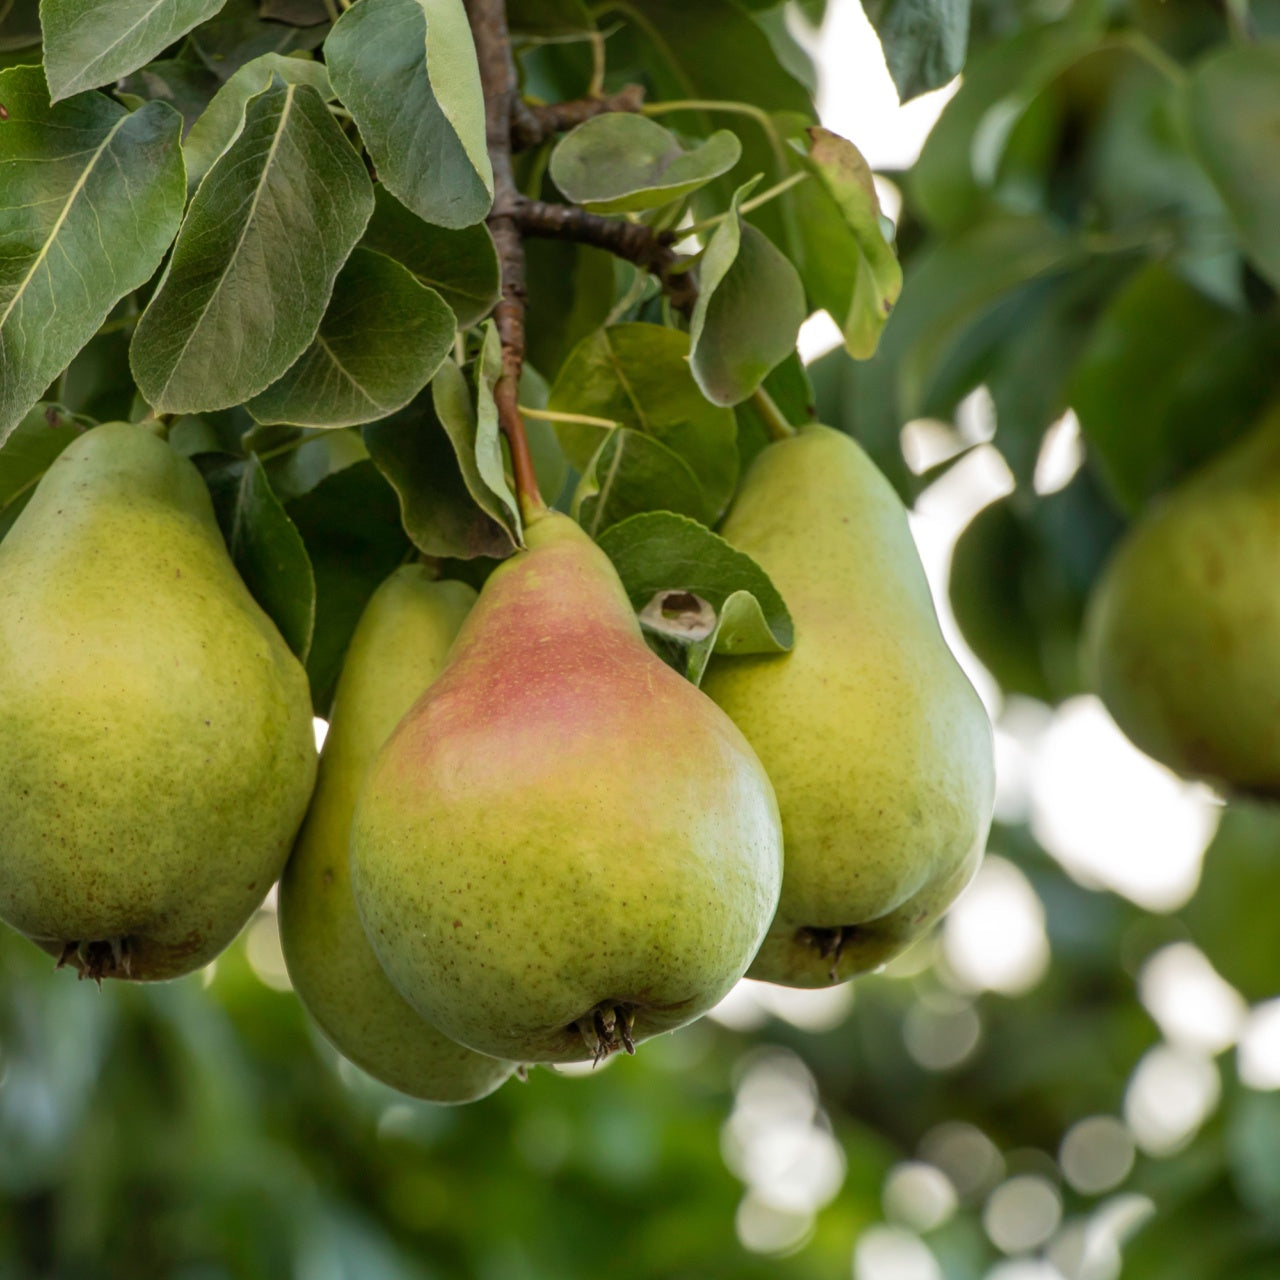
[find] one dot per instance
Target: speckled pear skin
(879, 749)
(1183, 629)
(156, 748)
(398, 648)
(563, 840)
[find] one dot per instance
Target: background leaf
(749, 311)
(88, 43)
(662, 552)
(924, 41)
(238, 303)
(619, 162)
(28, 453)
(406, 69)
(1233, 110)
(90, 199)
(382, 338)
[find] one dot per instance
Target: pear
(564, 847)
(879, 749)
(1183, 627)
(156, 748)
(398, 648)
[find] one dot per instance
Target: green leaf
(548, 19)
(490, 460)
(418, 457)
(461, 264)
(571, 294)
(254, 264)
(637, 375)
(28, 453)
(632, 472)
(267, 549)
(222, 119)
(238, 34)
(749, 311)
(90, 199)
(186, 84)
(298, 471)
(924, 41)
(406, 70)
(869, 279)
(21, 26)
(88, 43)
(619, 162)
(476, 444)
(382, 338)
(662, 557)
(1152, 411)
(1233, 111)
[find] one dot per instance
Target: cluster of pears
(530, 840)
(1183, 628)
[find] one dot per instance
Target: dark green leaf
(406, 70)
(27, 454)
(549, 18)
(924, 41)
(222, 119)
(187, 85)
(638, 375)
(91, 199)
(382, 338)
(632, 472)
(749, 311)
(460, 265)
(267, 550)
(619, 162)
(662, 557)
(238, 35)
(417, 456)
(88, 43)
(238, 302)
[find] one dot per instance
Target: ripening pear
(398, 648)
(1183, 629)
(564, 848)
(879, 749)
(156, 748)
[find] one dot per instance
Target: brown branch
(648, 249)
(532, 122)
(498, 76)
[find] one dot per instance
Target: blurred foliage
(1065, 246)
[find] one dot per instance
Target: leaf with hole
(661, 557)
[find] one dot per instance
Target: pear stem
(498, 76)
(775, 421)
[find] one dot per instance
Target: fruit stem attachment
(775, 421)
(498, 76)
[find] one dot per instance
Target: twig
(534, 122)
(648, 249)
(498, 75)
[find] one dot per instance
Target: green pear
(1183, 628)
(879, 749)
(398, 648)
(564, 848)
(156, 747)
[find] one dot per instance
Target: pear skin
(878, 747)
(398, 648)
(1183, 627)
(564, 848)
(156, 748)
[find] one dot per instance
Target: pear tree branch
(535, 122)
